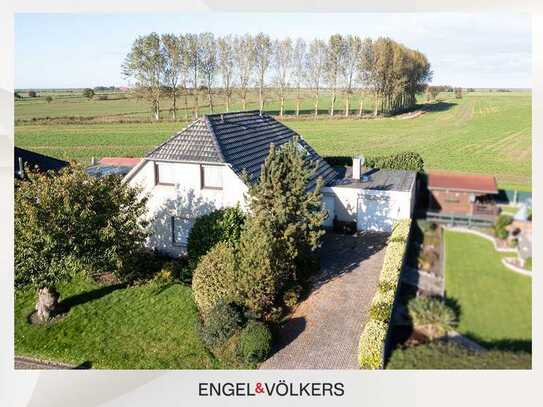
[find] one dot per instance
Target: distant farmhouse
(200, 169)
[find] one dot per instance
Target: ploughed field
(484, 132)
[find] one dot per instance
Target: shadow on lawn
(66, 304)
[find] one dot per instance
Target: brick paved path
(324, 330)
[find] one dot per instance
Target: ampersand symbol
(259, 388)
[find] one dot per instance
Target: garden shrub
(372, 341)
(216, 278)
(222, 225)
(501, 224)
(433, 313)
(292, 296)
(372, 345)
(255, 342)
(406, 160)
(221, 322)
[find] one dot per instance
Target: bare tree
(299, 68)
(315, 64)
(184, 73)
(194, 52)
(173, 66)
(282, 62)
(353, 49)
(226, 65)
(334, 66)
(263, 55)
(364, 72)
(244, 54)
(146, 64)
(208, 63)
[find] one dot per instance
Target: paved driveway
(324, 330)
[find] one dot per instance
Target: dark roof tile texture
(241, 139)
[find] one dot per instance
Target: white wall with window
(178, 193)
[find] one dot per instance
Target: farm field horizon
(484, 132)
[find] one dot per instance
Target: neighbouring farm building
(462, 197)
(200, 169)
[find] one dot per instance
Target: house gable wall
(186, 199)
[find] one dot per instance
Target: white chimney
(358, 161)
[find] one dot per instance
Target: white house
(199, 169)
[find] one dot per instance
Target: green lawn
(487, 133)
(143, 327)
(495, 303)
(442, 356)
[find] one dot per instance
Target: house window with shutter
(211, 176)
(165, 174)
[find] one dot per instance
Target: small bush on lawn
(216, 278)
(255, 342)
(222, 321)
(372, 345)
(222, 225)
(433, 313)
(501, 223)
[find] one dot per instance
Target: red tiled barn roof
(462, 182)
(120, 161)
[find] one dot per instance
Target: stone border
(509, 266)
(514, 268)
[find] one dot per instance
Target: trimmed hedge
(406, 160)
(372, 341)
(255, 342)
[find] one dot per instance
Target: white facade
(371, 209)
(179, 192)
(177, 196)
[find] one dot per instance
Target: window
(211, 176)
(165, 174)
(181, 226)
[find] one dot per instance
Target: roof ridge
(214, 137)
(172, 137)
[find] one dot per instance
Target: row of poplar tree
(201, 65)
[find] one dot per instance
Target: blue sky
(80, 50)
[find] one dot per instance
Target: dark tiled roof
(195, 143)
(241, 139)
(36, 160)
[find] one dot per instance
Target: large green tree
(70, 222)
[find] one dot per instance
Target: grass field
(145, 327)
(442, 356)
(494, 302)
(488, 133)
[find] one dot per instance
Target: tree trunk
(316, 105)
(260, 97)
(47, 304)
(186, 106)
(361, 110)
(333, 103)
(157, 110)
(174, 113)
(210, 97)
(244, 100)
(298, 103)
(228, 101)
(196, 102)
(347, 104)
(282, 105)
